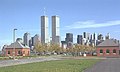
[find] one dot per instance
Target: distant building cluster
(84, 39)
(31, 41)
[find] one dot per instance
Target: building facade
(55, 30)
(36, 39)
(26, 38)
(79, 39)
(69, 39)
(44, 30)
(108, 48)
(16, 49)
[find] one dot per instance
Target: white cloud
(92, 24)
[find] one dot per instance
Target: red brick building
(108, 48)
(17, 49)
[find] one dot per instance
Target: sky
(76, 16)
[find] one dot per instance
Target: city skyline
(76, 17)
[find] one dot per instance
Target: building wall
(111, 54)
(55, 30)
(26, 38)
(44, 30)
(24, 52)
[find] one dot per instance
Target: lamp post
(14, 43)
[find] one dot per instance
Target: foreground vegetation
(52, 66)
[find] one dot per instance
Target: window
(107, 51)
(23, 52)
(19, 52)
(8, 52)
(101, 51)
(114, 50)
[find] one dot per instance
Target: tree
(39, 48)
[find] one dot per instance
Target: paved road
(107, 65)
(4, 63)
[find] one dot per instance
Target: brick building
(108, 48)
(16, 49)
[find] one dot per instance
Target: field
(52, 66)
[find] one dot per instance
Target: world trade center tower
(44, 30)
(55, 30)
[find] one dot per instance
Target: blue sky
(76, 16)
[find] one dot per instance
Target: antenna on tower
(44, 11)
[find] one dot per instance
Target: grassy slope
(51, 66)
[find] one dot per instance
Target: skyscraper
(36, 39)
(100, 37)
(69, 39)
(107, 36)
(94, 36)
(79, 39)
(55, 30)
(44, 30)
(84, 35)
(26, 38)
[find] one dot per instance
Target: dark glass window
(19, 52)
(101, 51)
(107, 51)
(114, 50)
(8, 52)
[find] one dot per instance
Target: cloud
(92, 24)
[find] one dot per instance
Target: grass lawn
(52, 66)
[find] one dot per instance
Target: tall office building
(107, 36)
(69, 39)
(26, 38)
(44, 30)
(88, 36)
(94, 36)
(36, 39)
(55, 30)
(100, 37)
(84, 35)
(79, 39)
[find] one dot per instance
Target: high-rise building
(100, 37)
(44, 30)
(88, 36)
(84, 35)
(36, 39)
(91, 37)
(55, 30)
(26, 38)
(64, 44)
(94, 36)
(79, 39)
(32, 40)
(69, 39)
(107, 36)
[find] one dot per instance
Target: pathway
(107, 65)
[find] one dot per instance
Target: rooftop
(108, 42)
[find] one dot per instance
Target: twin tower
(45, 38)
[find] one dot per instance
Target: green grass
(52, 66)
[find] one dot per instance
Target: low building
(108, 48)
(16, 49)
